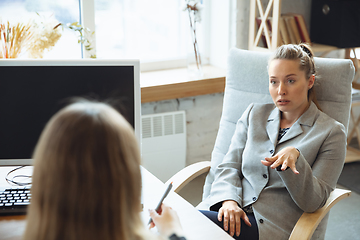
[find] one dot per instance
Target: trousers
(246, 233)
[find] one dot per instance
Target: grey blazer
(280, 197)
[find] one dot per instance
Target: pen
(162, 199)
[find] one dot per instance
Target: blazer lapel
(308, 119)
(273, 125)
(294, 131)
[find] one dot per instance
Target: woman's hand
(287, 157)
(167, 221)
(232, 215)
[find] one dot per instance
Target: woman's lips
(283, 102)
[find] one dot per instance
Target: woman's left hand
(287, 157)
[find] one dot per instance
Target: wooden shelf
(176, 83)
(273, 7)
(352, 154)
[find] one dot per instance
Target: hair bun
(306, 48)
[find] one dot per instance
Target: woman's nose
(282, 89)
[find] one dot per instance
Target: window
(152, 31)
(65, 11)
(149, 30)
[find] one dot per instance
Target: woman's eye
(272, 82)
(291, 81)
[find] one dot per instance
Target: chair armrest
(308, 222)
(186, 175)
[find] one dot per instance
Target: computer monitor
(32, 91)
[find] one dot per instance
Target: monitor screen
(32, 91)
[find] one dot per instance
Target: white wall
(202, 122)
(222, 30)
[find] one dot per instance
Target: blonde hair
(305, 55)
(86, 179)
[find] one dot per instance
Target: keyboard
(14, 201)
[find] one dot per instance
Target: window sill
(176, 83)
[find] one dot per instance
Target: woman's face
(288, 86)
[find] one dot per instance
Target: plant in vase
(14, 38)
(33, 38)
(193, 9)
(36, 37)
(47, 33)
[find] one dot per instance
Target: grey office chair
(247, 82)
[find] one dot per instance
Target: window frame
(87, 19)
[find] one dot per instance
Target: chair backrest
(247, 82)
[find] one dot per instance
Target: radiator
(163, 146)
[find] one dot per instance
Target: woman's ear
(311, 81)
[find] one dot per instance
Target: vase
(194, 65)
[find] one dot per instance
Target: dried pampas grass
(14, 39)
(32, 38)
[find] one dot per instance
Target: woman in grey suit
(284, 159)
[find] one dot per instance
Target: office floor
(344, 220)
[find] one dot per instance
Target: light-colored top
(280, 197)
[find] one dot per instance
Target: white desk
(195, 225)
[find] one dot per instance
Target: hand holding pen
(158, 207)
(168, 221)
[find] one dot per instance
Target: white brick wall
(202, 121)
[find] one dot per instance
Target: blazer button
(264, 176)
(261, 221)
(271, 151)
(254, 198)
